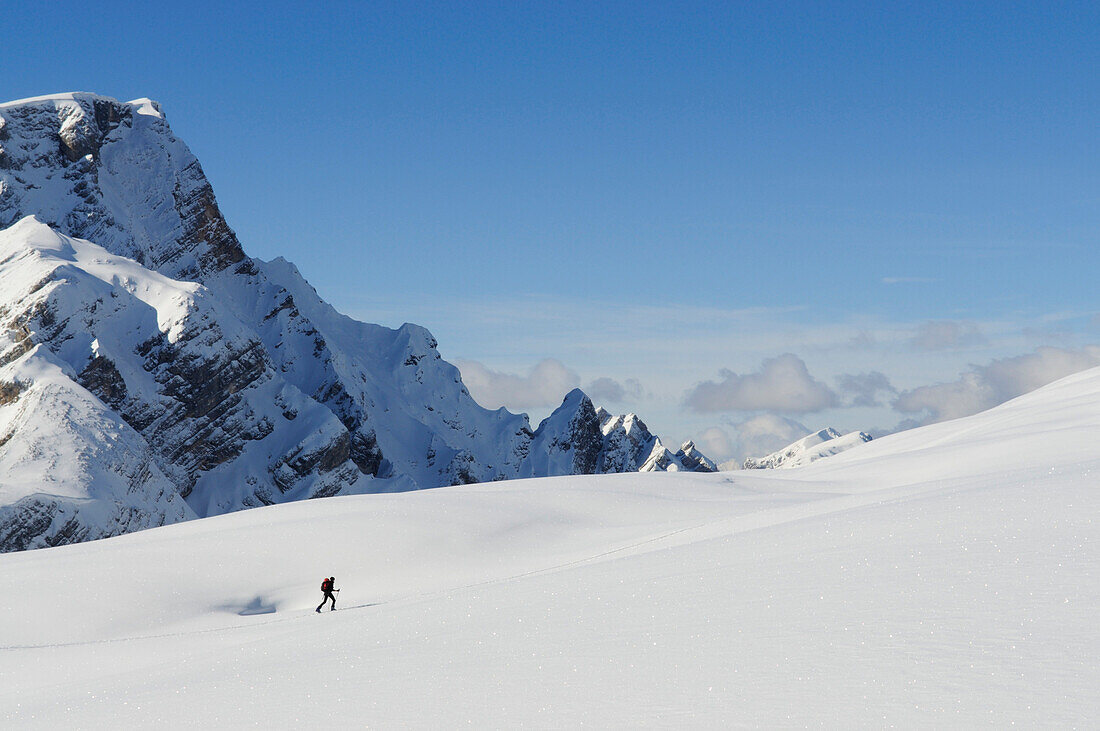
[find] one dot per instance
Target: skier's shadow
(257, 606)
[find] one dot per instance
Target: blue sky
(658, 195)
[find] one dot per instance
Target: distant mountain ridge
(811, 448)
(578, 438)
(228, 378)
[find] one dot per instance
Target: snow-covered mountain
(191, 381)
(818, 445)
(691, 459)
(238, 383)
(579, 439)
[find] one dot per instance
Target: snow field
(945, 577)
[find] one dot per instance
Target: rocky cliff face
(581, 439)
(196, 385)
(237, 384)
(693, 460)
(71, 469)
(568, 442)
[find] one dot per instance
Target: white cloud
(947, 335)
(968, 395)
(764, 434)
(608, 390)
(670, 349)
(1047, 336)
(863, 389)
(782, 384)
(544, 385)
(984, 387)
(715, 442)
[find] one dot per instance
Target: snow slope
(943, 577)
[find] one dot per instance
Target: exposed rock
(693, 460)
(102, 378)
(569, 441)
(204, 228)
(580, 439)
(196, 385)
(9, 392)
(629, 446)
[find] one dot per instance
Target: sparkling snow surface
(943, 577)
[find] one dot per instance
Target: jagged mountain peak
(628, 422)
(694, 460)
(112, 172)
(577, 433)
(577, 400)
(810, 448)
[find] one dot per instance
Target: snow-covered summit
(818, 445)
(112, 172)
(63, 98)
